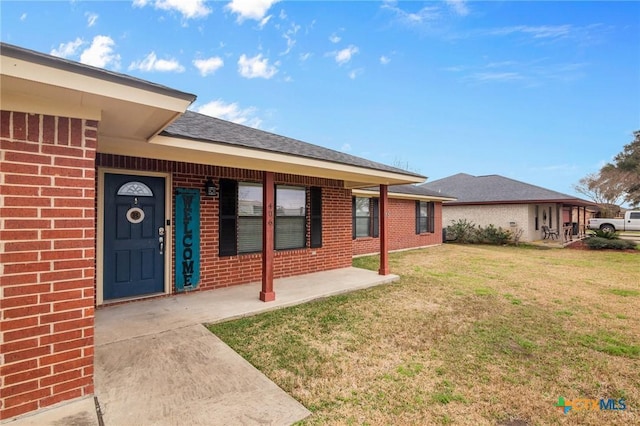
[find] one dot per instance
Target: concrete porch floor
(123, 322)
(155, 363)
(555, 243)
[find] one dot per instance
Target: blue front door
(134, 242)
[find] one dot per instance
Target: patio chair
(549, 233)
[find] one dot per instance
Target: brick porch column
(47, 240)
(268, 222)
(384, 230)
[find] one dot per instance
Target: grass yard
(469, 335)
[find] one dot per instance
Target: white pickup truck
(630, 222)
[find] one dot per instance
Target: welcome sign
(187, 254)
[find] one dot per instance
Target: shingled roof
(496, 189)
(200, 127)
(417, 190)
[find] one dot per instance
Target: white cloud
(264, 21)
(455, 68)
(189, 9)
(305, 56)
(256, 67)
(427, 13)
(23, 17)
(384, 60)
(100, 53)
(152, 63)
(288, 35)
(345, 148)
(343, 56)
(334, 38)
(91, 18)
(250, 9)
(68, 50)
(355, 73)
(290, 43)
(209, 65)
(231, 112)
(496, 76)
(543, 31)
(458, 6)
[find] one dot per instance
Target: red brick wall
(47, 180)
(215, 271)
(402, 229)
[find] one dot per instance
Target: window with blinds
(241, 216)
(249, 217)
(291, 217)
(424, 217)
(365, 217)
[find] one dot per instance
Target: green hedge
(463, 231)
(605, 243)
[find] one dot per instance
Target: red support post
(384, 230)
(268, 222)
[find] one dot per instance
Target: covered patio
(142, 318)
(156, 363)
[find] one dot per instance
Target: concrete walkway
(156, 364)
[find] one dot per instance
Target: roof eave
(399, 195)
(225, 155)
(126, 107)
(568, 201)
(62, 64)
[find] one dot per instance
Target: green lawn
(469, 335)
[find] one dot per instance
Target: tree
(628, 164)
(616, 182)
(604, 189)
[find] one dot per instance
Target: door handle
(161, 239)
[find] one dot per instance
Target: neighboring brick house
(512, 205)
(111, 191)
(415, 218)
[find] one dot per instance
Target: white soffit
(124, 110)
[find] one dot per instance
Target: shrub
(516, 235)
(598, 243)
(492, 235)
(603, 233)
(461, 231)
(466, 232)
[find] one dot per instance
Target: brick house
(415, 218)
(512, 204)
(112, 191)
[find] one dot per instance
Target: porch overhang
(126, 107)
(225, 155)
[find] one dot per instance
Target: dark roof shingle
(192, 125)
(417, 190)
(494, 189)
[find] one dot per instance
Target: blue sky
(543, 92)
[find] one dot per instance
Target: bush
(603, 233)
(492, 235)
(598, 243)
(461, 231)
